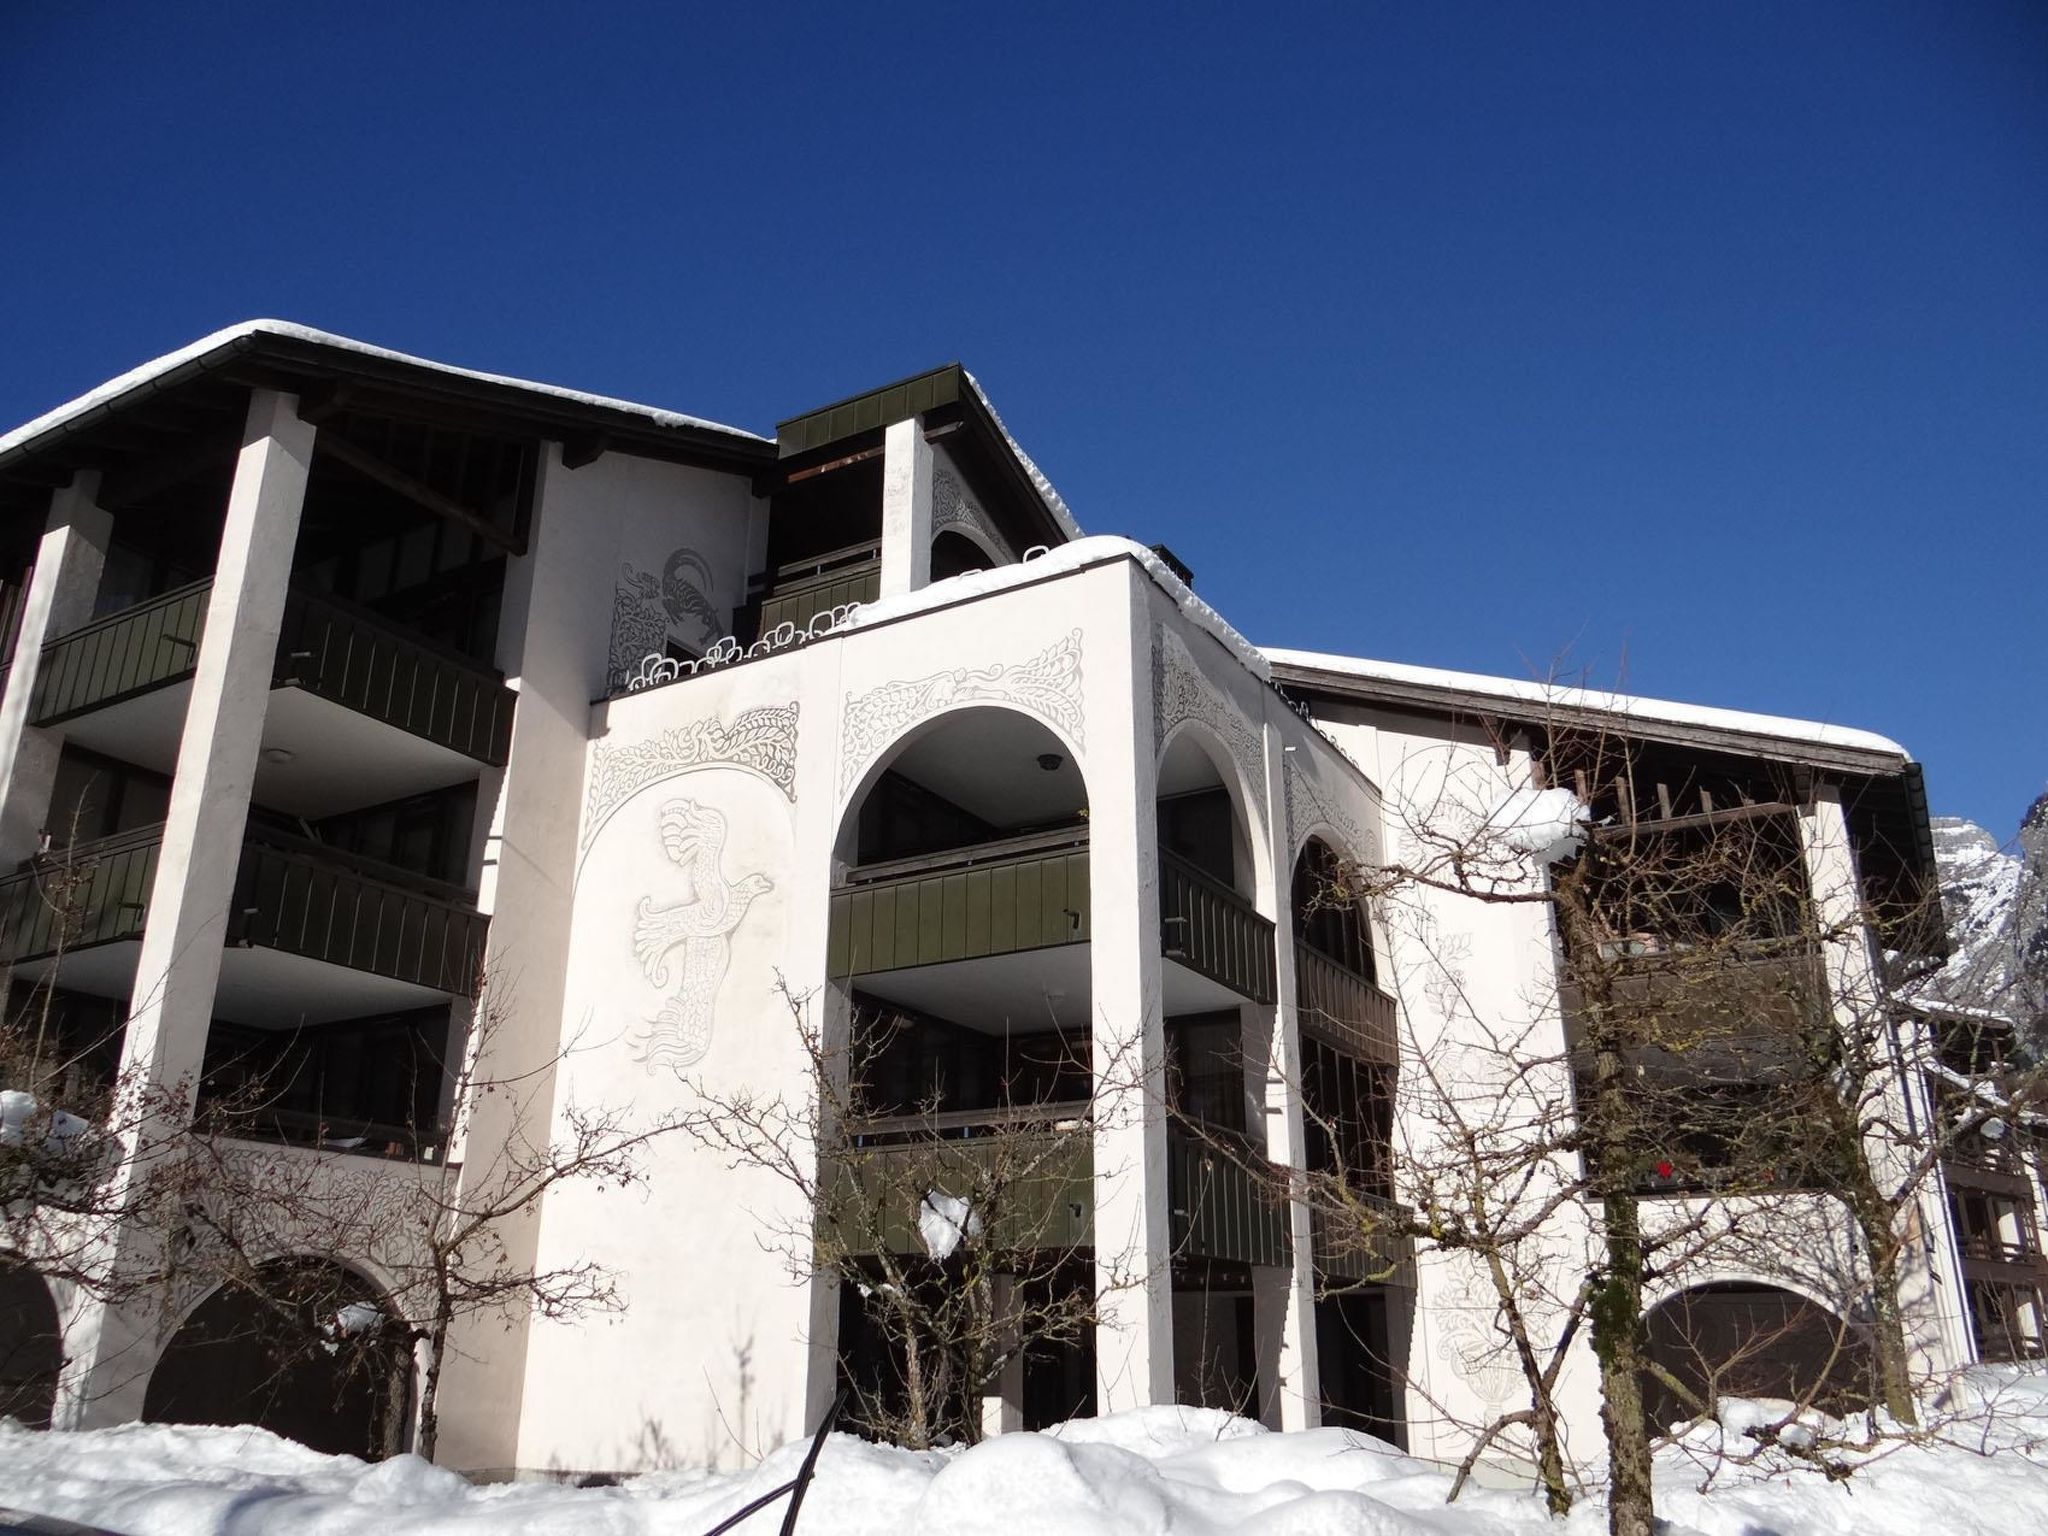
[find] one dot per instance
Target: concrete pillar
(1133, 1278)
(60, 598)
(1002, 1403)
(179, 965)
(1932, 1283)
(111, 1351)
(906, 508)
(1285, 1303)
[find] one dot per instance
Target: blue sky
(1702, 348)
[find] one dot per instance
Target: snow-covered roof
(140, 378)
(1054, 502)
(1559, 696)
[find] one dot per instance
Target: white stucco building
(348, 685)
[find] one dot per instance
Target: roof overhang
(338, 373)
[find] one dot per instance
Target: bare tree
(963, 1232)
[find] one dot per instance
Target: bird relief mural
(684, 946)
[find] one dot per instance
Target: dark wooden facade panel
(1214, 931)
(1220, 1209)
(1031, 901)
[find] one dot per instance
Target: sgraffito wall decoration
(650, 610)
(762, 739)
(1308, 808)
(684, 946)
(1048, 685)
(1180, 693)
(954, 507)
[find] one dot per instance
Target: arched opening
(954, 554)
(31, 1347)
(1742, 1339)
(309, 1353)
(1349, 1063)
(1217, 992)
(959, 942)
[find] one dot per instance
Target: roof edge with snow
(1474, 693)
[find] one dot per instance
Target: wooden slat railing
(1347, 1250)
(130, 652)
(343, 653)
(365, 663)
(1212, 930)
(962, 905)
(1046, 1197)
(1349, 1011)
(798, 592)
(293, 896)
(1221, 1207)
(304, 899)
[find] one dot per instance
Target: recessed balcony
(312, 935)
(1352, 1012)
(798, 591)
(361, 711)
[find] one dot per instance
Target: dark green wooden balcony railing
(365, 663)
(293, 896)
(1337, 1002)
(334, 649)
(1224, 1205)
(1212, 930)
(1034, 1182)
(1363, 1244)
(994, 898)
(796, 593)
(130, 652)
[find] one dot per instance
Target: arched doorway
(1742, 1339)
(31, 1347)
(312, 1357)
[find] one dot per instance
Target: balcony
(1222, 1201)
(1213, 931)
(798, 592)
(312, 934)
(363, 712)
(1337, 1002)
(996, 898)
(1344, 1252)
(1041, 1158)
(1725, 1015)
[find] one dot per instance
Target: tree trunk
(1622, 1345)
(430, 1385)
(1876, 1218)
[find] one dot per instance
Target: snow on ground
(1192, 1472)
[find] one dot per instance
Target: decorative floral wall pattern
(649, 610)
(1180, 693)
(953, 506)
(1307, 808)
(1048, 685)
(762, 739)
(690, 939)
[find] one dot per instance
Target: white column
(112, 1350)
(1931, 1280)
(906, 508)
(59, 599)
(179, 965)
(1133, 1278)
(1289, 1294)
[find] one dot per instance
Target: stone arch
(1247, 807)
(1752, 1338)
(950, 721)
(306, 1359)
(31, 1347)
(1317, 905)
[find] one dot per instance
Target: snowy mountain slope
(1996, 903)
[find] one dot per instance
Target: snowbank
(1192, 1472)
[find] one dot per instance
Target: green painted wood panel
(1029, 901)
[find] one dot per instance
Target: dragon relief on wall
(649, 610)
(689, 942)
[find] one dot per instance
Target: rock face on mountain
(1996, 903)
